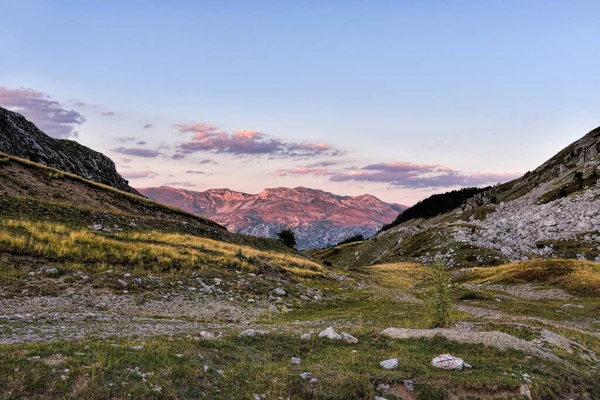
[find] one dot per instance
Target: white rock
(253, 332)
(306, 336)
(122, 282)
(305, 375)
(206, 335)
(279, 291)
(389, 364)
(314, 381)
(448, 361)
(329, 333)
(348, 337)
(296, 361)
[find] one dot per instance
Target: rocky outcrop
(21, 138)
(318, 218)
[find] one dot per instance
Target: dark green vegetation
(435, 205)
(352, 239)
(288, 237)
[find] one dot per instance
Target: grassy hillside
(107, 295)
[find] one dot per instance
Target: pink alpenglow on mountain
(318, 218)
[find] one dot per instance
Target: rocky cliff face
(21, 138)
(552, 211)
(318, 218)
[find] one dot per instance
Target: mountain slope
(318, 218)
(553, 211)
(21, 138)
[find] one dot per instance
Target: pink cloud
(409, 175)
(49, 115)
(209, 138)
(140, 174)
(138, 152)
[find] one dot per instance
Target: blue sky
(405, 98)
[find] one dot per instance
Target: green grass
(581, 278)
(261, 365)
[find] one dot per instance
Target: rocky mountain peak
(318, 218)
(21, 138)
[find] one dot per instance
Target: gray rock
(389, 364)
(330, 333)
(296, 361)
(279, 291)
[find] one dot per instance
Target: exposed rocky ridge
(21, 138)
(318, 218)
(553, 211)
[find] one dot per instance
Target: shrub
(440, 299)
(288, 237)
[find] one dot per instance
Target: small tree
(288, 237)
(440, 299)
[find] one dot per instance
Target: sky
(399, 99)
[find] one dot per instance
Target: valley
(107, 294)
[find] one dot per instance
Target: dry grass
(576, 277)
(396, 275)
(152, 250)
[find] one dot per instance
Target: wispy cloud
(409, 175)
(182, 184)
(108, 114)
(147, 125)
(49, 115)
(136, 151)
(141, 143)
(195, 172)
(304, 171)
(139, 174)
(209, 138)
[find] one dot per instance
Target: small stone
(306, 336)
(314, 381)
(525, 391)
(52, 271)
(330, 333)
(296, 361)
(279, 291)
(31, 273)
(122, 282)
(273, 309)
(383, 387)
(389, 364)
(253, 332)
(178, 355)
(207, 335)
(305, 375)
(348, 337)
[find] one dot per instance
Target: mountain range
(318, 218)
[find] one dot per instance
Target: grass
(400, 276)
(261, 365)
(581, 278)
(151, 251)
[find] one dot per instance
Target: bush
(440, 299)
(288, 237)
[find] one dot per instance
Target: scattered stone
(383, 387)
(279, 291)
(306, 336)
(305, 375)
(389, 364)
(330, 333)
(52, 271)
(305, 298)
(313, 381)
(253, 332)
(409, 384)
(448, 361)
(348, 337)
(122, 282)
(296, 361)
(31, 273)
(178, 355)
(207, 335)
(525, 391)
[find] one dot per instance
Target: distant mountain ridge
(318, 218)
(21, 138)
